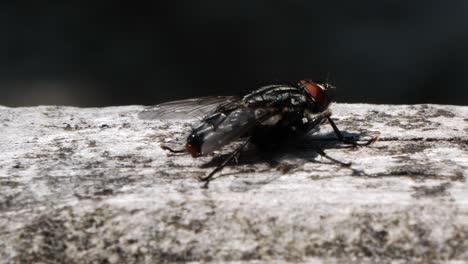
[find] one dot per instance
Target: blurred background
(123, 52)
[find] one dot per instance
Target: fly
(269, 114)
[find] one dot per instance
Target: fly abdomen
(197, 137)
(193, 145)
(221, 129)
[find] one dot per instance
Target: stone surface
(93, 185)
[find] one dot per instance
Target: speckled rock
(92, 185)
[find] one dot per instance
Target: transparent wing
(237, 123)
(187, 109)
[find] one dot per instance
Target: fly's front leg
(232, 156)
(341, 138)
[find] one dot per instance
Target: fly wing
(237, 123)
(187, 109)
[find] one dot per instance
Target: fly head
(322, 94)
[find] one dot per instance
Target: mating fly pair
(268, 115)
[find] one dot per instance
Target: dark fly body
(266, 115)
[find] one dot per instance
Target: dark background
(123, 52)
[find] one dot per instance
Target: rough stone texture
(92, 185)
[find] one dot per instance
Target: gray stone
(93, 185)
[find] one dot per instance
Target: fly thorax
(298, 100)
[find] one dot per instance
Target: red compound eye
(315, 91)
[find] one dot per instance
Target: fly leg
(172, 150)
(232, 156)
(323, 154)
(341, 138)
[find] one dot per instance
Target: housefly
(264, 116)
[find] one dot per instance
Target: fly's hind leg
(231, 156)
(341, 138)
(172, 150)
